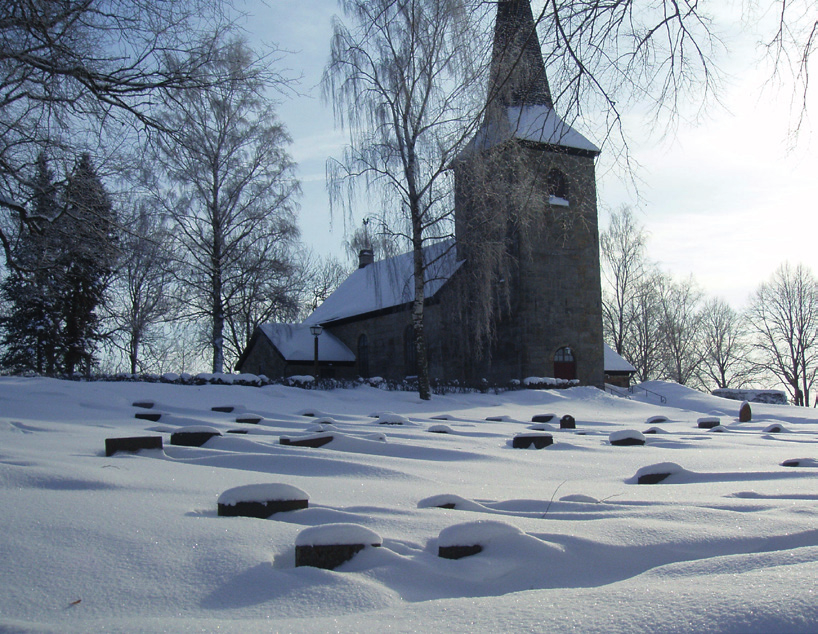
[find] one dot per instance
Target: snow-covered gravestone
(193, 435)
(261, 500)
(626, 437)
(708, 422)
(464, 540)
(311, 440)
(568, 422)
(745, 414)
(656, 473)
(132, 444)
(543, 418)
(250, 419)
(444, 501)
(390, 418)
(151, 416)
(329, 545)
(528, 440)
(800, 462)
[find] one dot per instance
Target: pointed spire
(517, 70)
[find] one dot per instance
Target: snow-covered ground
(570, 541)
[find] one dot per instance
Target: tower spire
(517, 69)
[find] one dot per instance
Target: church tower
(527, 181)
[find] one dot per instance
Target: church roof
(615, 363)
(386, 284)
(295, 342)
(536, 124)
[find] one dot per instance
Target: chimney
(365, 257)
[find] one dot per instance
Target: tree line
(167, 110)
(150, 202)
(669, 329)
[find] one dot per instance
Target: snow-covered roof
(614, 363)
(386, 284)
(535, 123)
(295, 342)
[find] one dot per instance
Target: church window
(557, 186)
(410, 358)
(565, 365)
(363, 356)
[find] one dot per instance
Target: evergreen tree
(31, 326)
(88, 228)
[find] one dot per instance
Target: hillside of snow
(568, 540)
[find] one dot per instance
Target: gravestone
(132, 444)
(537, 441)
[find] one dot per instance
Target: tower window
(557, 186)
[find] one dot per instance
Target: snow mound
(578, 497)
(775, 428)
(626, 436)
(261, 493)
(445, 500)
(337, 534)
(390, 418)
(472, 533)
(324, 420)
(801, 462)
(321, 427)
(659, 418)
(440, 429)
(313, 413)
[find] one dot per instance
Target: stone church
(523, 162)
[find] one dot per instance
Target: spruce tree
(31, 326)
(88, 227)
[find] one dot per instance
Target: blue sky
(726, 198)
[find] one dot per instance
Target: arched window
(363, 356)
(565, 366)
(410, 357)
(557, 184)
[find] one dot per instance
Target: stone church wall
(555, 289)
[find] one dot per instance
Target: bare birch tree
(726, 362)
(680, 321)
(783, 315)
(143, 293)
(622, 251)
(229, 187)
(405, 77)
(644, 344)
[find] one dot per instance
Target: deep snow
(132, 542)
